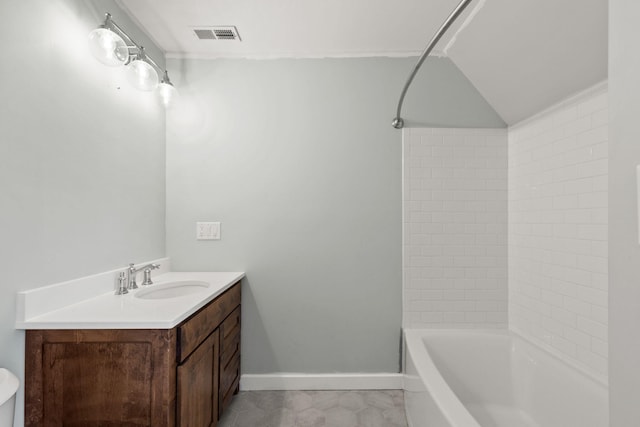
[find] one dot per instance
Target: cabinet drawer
(230, 335)
(225, 399)
(229, 373)
(198, 327)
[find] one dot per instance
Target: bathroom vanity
(183, 375)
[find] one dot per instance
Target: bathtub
(495, 379)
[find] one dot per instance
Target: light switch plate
(207, 230)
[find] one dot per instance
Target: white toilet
(8, 388)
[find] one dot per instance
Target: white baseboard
(321, 382)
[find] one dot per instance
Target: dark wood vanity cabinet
(183, 376)
(197, 392)
(229, 358)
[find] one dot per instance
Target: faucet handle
(122, 284)
(147, 277)
(147, 274)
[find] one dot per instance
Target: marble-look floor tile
(341, 417)
(360, 408)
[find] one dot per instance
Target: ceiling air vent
(217, 33)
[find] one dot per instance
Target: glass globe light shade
(168, 94)
(142, 75)
(108, 47)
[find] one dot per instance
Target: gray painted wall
(82, 158)
(299, 162)
(624, 251)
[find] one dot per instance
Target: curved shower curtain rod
(398, 123)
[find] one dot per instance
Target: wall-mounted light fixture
(112, 46)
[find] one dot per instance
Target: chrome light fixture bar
(112, 46)
(167, 91)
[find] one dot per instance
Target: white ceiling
(522, 55)
(292, 28)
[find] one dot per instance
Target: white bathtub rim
(600, 380)
(416, 347)
(452, 408)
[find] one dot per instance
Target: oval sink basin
(172, 290)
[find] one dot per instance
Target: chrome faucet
(132, 271)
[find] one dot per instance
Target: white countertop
(110, 311)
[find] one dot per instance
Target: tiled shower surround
(455, 228)
(458, 241)
(558, 285)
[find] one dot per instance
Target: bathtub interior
(503, 380)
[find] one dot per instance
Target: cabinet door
(94, 378)
(197, 400)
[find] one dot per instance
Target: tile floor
(363, 408)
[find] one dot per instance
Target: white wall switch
(207, 230)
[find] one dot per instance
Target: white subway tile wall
(455, 228)
(558, 230)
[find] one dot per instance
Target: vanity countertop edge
(110, 311)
